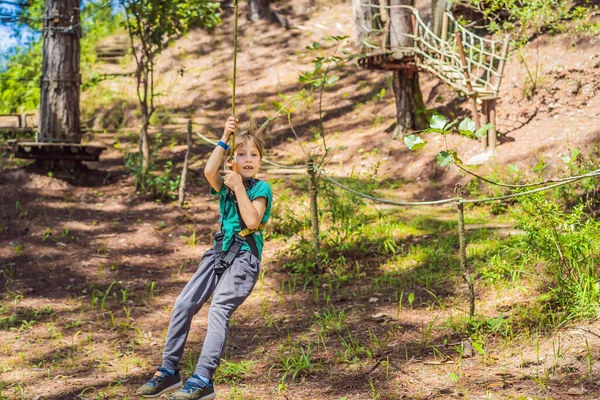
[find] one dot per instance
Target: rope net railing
(440, 55)
(547, 185)
(468, 275)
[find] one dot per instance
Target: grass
(302, 327)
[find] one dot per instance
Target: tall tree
(60, 83)
(261, 9)
(409, 99)
(152, 25)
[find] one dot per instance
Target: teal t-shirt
(229, 217)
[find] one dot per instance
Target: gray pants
(228, 293)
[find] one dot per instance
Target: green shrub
(527, 17)
(569, 246)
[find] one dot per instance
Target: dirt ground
(89, 270)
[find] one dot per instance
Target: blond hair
(249, 132)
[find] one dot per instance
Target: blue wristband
(223, 145)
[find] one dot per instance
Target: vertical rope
(235, 48)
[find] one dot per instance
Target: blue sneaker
(194, 389)
(162, 382)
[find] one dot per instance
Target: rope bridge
(467, 62)
(440, 55)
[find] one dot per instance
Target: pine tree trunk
(59, 88)
(409, 99)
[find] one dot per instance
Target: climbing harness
(223, 259)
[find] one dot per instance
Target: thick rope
(559, 182)
(235, 51)
(525, 185)
(386, 201)
(266, 161)
(542, 189)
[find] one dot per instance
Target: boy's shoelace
(158, 379)
(191, 387)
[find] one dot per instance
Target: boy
(228, 271)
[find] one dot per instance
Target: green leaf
(437, 121)
(513, 168)
(566, 159)
(574, 153)
(482, 132)
(414, 142)
(316, 45)
(332, 79)
(467, 127)
(540, 166)
(444, 158)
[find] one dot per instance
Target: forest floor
(90, 270)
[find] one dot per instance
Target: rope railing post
(314, 211)
(185, 165)
(471, 94)
(462, 252)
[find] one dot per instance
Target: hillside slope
(195, 81)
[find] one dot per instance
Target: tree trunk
(144, 146)
(259, 9)
(367, 16)
(409, 99)
(60, 84)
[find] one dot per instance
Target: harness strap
(245, 235)
(250, 238)
(247, 231)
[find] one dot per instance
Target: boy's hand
(233, 180)
(230, 129)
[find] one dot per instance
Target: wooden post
(485, 108)
(61, 80)
(444, 35)
(314, 212)
(471, 94)
(467, 276)
(185, 165)
(492, 119)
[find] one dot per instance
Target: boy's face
(248, 159)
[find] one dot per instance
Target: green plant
(161, 183)
(331, 320)
(569, 244)
(230, 371)
(191, 240)
(523, 18)
(295, 363)
(353, 349)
